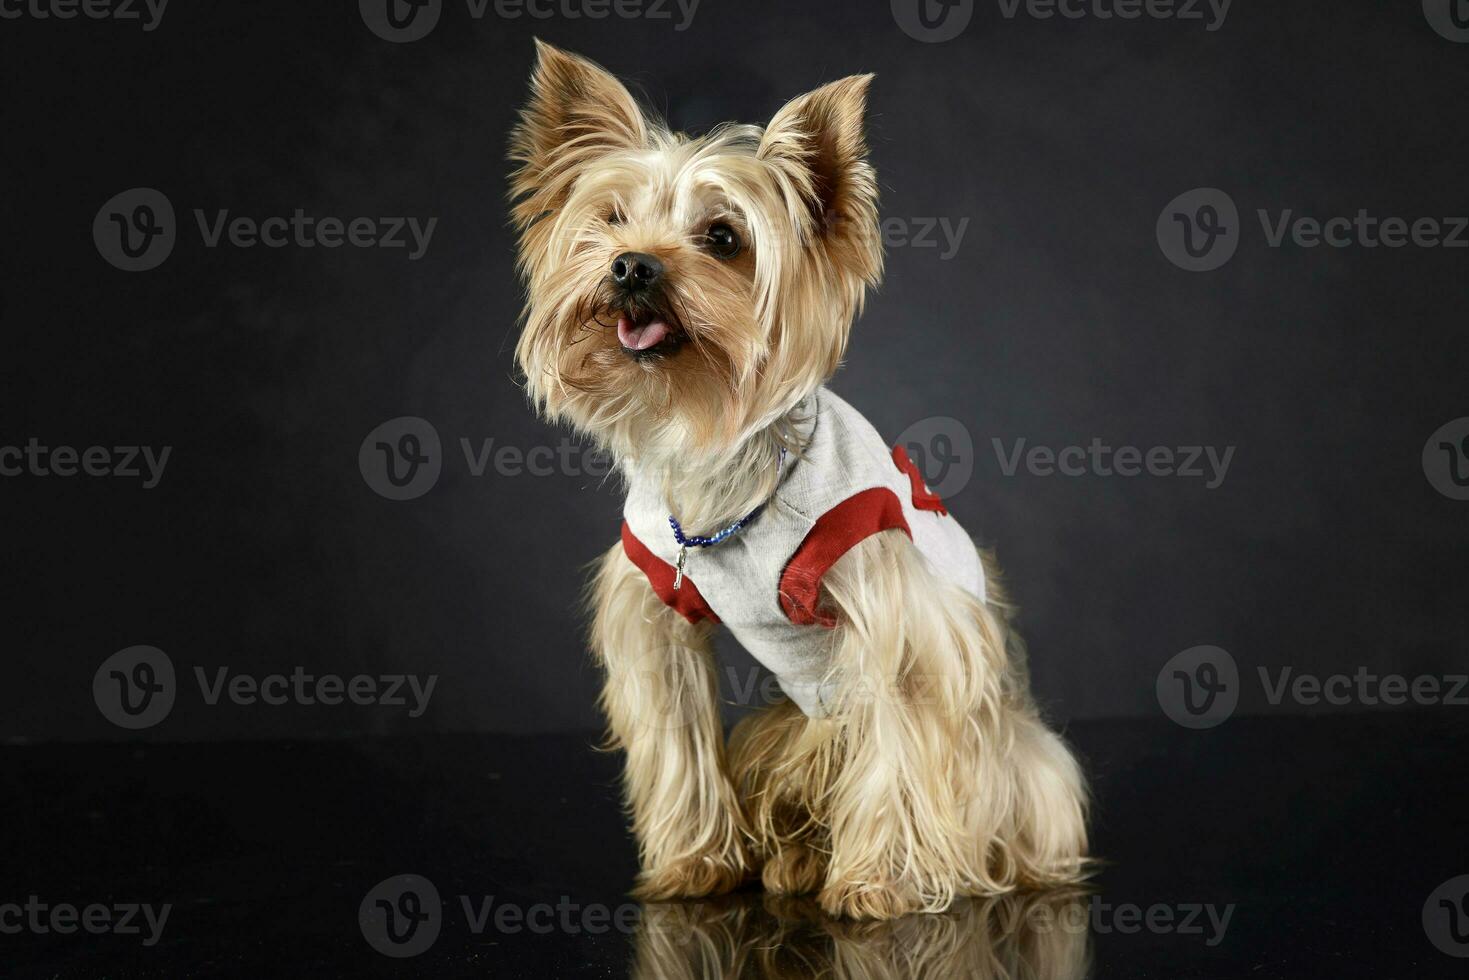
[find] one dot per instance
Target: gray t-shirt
(764, 582)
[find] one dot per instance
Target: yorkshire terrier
(688, 299)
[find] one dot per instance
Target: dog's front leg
(660, 698)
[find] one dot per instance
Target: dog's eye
(722, 241)
(614, 216)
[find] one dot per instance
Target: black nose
(636, 271)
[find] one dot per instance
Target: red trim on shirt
(833, 535)
(923, 498)
(686, 600)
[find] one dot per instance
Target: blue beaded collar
(687, 541)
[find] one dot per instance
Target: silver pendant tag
(678, 568)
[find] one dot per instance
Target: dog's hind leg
(1047, 819)
(923, 730)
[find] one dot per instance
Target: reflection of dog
(1034, 936)
(688, 298)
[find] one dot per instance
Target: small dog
(688, 300)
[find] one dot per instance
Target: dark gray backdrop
(1058, 319)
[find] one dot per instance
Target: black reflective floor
(1280, 848)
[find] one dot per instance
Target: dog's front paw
(795, 869)
(695, 877)
(868, 900)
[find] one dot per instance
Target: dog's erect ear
(820, 139)
(577, 111)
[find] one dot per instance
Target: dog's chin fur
(889, 808)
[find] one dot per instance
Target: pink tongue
(640, 338)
